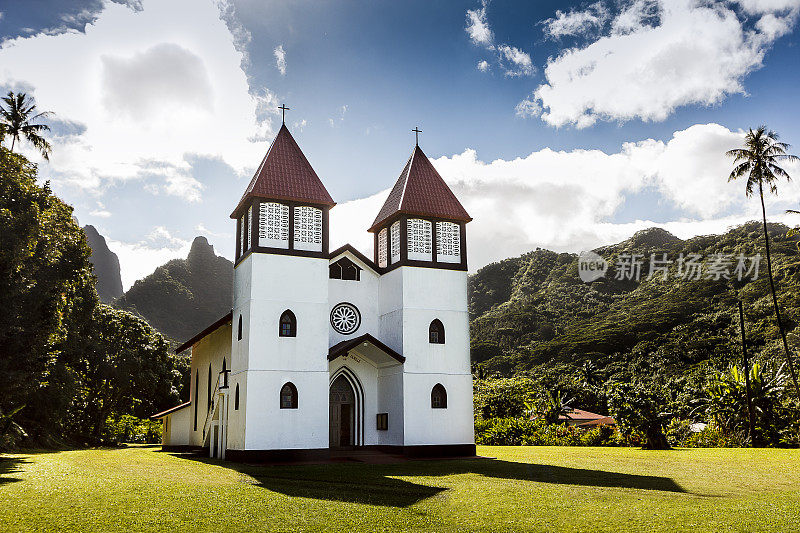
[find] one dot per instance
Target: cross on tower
(417, 131)
(283, 109)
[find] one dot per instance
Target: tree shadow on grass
(8, 466)
(377, 484)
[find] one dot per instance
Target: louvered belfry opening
(422, 223)
(285, 207)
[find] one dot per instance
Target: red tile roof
(580, 414)
(285, 174)
(604, 421)
(420, 190)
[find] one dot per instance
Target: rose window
(345, 318)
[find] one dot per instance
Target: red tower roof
(285, 174)
(421, 191)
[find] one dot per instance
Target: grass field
(140, 488)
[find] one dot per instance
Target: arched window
(438, 397)
(224, 380)
(289, 396)
(196, 386)
(240, 328)
(436, 332)
(236, 399)
(208, 400)
(288, 325)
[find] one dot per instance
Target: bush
(524, 432)
(601, 436)
(127, 428)
(679, 431)
(712, 437)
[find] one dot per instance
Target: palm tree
(18, 116)
(758, 160)
(552, 405)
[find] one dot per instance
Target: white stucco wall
(410, 299)
(362, 294)
(396, 308)
(265, 286)
(210, 350)
(177, 428)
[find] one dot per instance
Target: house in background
(329, 350)
(585, 419)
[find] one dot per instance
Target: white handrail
(212, 407)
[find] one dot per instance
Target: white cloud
(151, 87)
(660, 55)
(478, 27)
(512, 60)
(576, 22)
(522, 65)
(175, 74)
(139, 259)
(280, 59)
(528, 108)
(340, 118)
(203, 230)
(100, 213)
(566, 200)
(760, 7)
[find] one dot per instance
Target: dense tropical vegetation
(665, 344)
(71, 366)
(661, 347)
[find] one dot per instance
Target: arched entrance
(342, 413)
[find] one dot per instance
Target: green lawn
(525, 488)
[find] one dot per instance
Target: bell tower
(280, 309)
(421, 252)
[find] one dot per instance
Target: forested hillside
(534, 311)
(184, 296)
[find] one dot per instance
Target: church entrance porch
(342, 413)
(365, 392)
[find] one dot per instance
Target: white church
(329, 350)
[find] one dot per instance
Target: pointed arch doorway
(344, 417)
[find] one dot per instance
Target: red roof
(580, 414)
(604, 421)
(162, 414)
(285, 174)
(420, 190)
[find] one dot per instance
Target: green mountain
(534, 309)
(106, 266)
(185, 295)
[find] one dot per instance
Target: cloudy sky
(564, 125)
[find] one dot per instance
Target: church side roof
(421, 191)
(285, 174)
(208, 331)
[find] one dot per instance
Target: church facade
(327, 350)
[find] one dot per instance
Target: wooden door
(342, 411)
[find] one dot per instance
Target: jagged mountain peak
(106, 266)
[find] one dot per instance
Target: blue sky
(561, 125)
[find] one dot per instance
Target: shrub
(679, 431)
(127, 428)
(524, 432)
(601, 436)
(713, 437)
